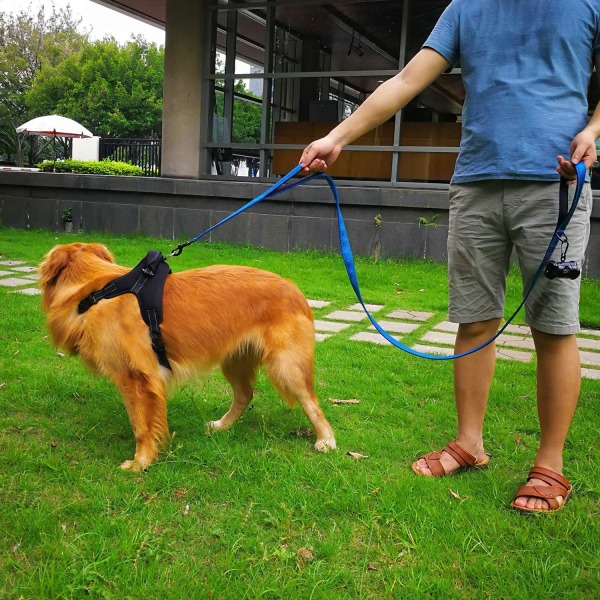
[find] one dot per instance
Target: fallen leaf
(518, 440)
(61, 354)
(356, 455)
(376, 490)
(371, 567)
(179, 492)
(350, 401)
(304, 555)
(53, 444)
(455, 495)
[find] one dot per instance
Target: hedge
(91, 167)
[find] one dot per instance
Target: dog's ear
(53, 265)
(100, 251)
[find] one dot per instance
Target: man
(526, 65)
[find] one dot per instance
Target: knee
(479, 329)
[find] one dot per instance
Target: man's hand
(583, 149)
(321, 153)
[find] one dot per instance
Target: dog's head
(69, 262)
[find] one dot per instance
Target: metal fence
(144, 153)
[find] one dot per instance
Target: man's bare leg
(472, 380)
(558, 386)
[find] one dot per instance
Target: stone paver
(588, 343)
(433, 350)
(374, 338)
(370, 307)
(590, 373)
(28, 291)
(320, 337)
(346, 315)
(411, 315)
(453, 327)
(396, 327)
(24, 269)
(10, 263)
(318, 303)
(500, 352)
(14, 282)
(329, 326)
(594, 332)
(513, 354)
(438, 337)
(3, 273)
(590, 358)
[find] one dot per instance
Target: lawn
(255, 511)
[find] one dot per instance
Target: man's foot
(452, 459)
(545, 491)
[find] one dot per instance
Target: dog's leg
(145, 400)
(291, 372)
(240, 371)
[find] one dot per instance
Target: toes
(325, 445)
(133, 465)
(421, 466)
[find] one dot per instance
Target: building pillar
(182, 94)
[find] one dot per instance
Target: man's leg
(558, 385)
(472, 379)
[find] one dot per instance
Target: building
(315, 61)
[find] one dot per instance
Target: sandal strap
(553, 479)
(460, 455)
(548, 493)
(434, 464)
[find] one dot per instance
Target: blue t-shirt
(526, 66)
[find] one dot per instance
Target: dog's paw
(133, 465)
(216, 426)
(325, 445)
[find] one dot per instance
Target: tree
(28, 42)
(115, 91)
(246, 113)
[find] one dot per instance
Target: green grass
(255, 512)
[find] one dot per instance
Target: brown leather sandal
(557, 486)
(465, 459)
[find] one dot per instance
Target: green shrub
(91, 167)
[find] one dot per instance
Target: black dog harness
(146, 281)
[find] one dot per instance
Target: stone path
(433, 334)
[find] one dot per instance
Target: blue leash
(347, 256)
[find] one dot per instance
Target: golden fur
(238, 318)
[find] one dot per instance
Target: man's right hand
(320, 154)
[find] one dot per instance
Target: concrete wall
(302, 218)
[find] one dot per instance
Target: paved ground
(434, 335)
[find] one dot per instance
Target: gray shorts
(488, 219)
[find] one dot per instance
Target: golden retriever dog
(238, 318)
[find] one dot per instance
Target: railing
(144, 153)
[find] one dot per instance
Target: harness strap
(146, 282)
